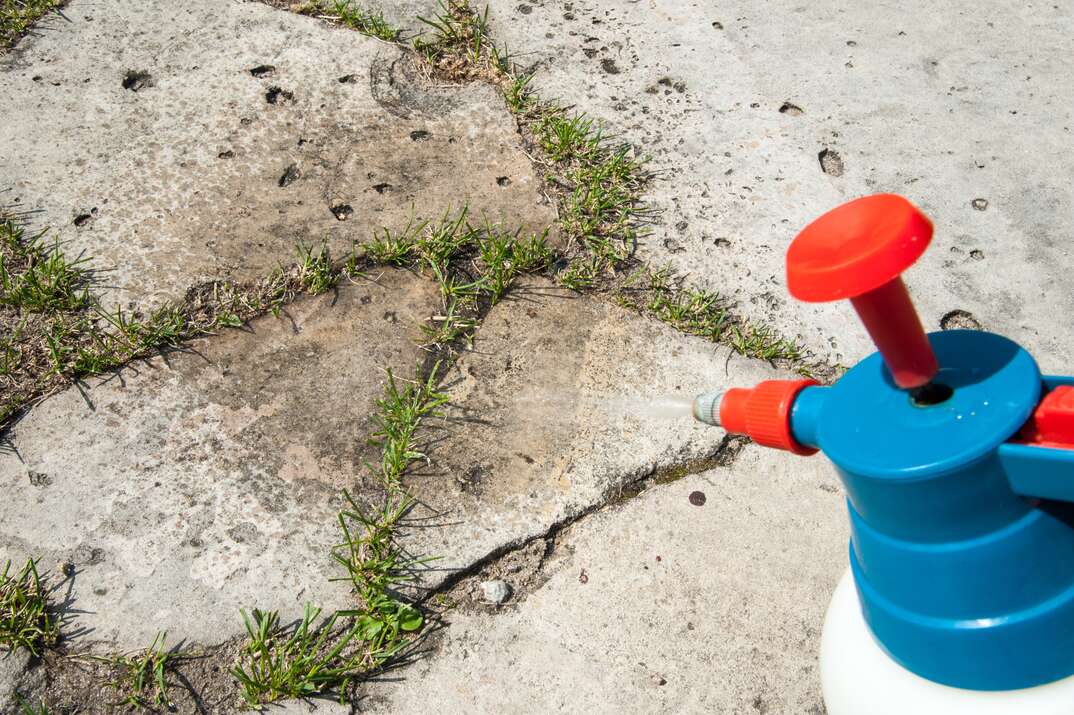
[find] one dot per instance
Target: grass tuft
(399, 415)
(377, 567)
(17, 16)
(310, 659)
(142, 682)
(705, 314)
(36, 277)
(299, 662)
(25, 620)
(315, 270)
(372, 24)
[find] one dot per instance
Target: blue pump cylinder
(965, 576)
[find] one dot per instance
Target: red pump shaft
(859, 251)
(892, 322)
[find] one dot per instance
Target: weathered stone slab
(209, 480)
(181, 142)
(552, 415)
(659, 606)
(736, 101)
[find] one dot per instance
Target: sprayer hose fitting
(707, 407)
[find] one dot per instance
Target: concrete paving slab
(17, 681)
(308, 707)
(181, 142)
(184, 489)
(659, 606)
(562, 404)
(959, 106)
(187, 487)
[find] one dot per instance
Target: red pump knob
(859, 251)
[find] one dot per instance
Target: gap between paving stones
(596, 183)
(654, 479)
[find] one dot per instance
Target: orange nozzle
(763, 413)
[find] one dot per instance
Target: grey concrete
(185, 488)
(308, 707)
(659, 607)
(176, 180)
(549, 420)
(944, 103)
(17, 681)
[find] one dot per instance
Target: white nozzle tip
(707, 407)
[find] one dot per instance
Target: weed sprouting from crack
(25, 618)
(345, 13)
(703, 313)
(299, 662)
(597, 183)
(37, 276)
(399, 415)
(17, 16)
(315, 271)
(54, 332)
(310, 660)
(141, 679)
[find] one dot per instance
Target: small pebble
(495, 591)
(697, 498)
(980, 204)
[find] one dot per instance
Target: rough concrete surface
(660, 606)
(306, 707)
(16, 681)
(187, 487)
(140, 134)
(947, 104)
(182, 142)
(550, 417)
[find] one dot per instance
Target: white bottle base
(858, 678)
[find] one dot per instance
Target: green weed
(505, 257)
(367, 23)
(395, 249)
(299, 662)
(567, 138)
(518, 95)
(315, 271)
(142, 682)
(377, 566)
(25, 620)
(16, 17)
(455, 29)
(582, 273)
(37, 278)
(399, 414)
(455, 323)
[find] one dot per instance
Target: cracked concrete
(188, 486)
(736, 102)
(659, 605)
(174, 151)
(178, 144)
(551, 416)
